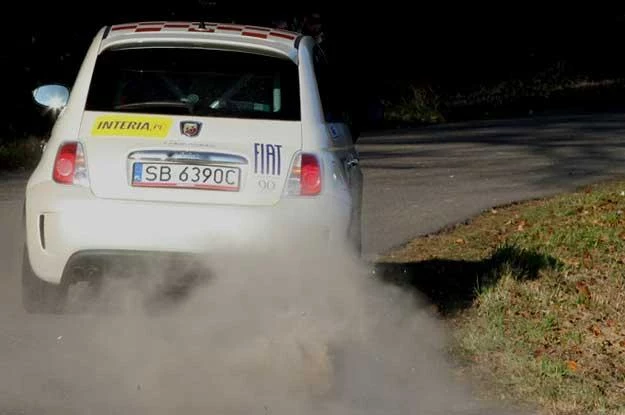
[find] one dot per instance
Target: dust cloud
(294, 332)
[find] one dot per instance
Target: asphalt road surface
(418, 182)
(415, 183)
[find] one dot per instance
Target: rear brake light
(311, 175)
(305, 176)
(70, 166)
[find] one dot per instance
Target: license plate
(186, 176)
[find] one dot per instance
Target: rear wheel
(39, 296)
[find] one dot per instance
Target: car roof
(279, 40)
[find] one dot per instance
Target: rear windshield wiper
(152, 104)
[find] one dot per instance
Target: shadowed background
(421, 63)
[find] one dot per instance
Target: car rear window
(202, 82)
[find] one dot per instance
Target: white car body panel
(76, 221)
(110, 169)
(273, 41)
(63, 220)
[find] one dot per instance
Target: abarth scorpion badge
(190, 128)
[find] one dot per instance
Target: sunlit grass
(546, 324)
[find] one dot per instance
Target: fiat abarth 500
(189, 138)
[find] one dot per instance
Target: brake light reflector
(310, 175)
(64, 164)
(305, 176)
(70, 166)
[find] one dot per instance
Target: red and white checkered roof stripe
(220, 28)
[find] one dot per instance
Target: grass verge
(535, 293)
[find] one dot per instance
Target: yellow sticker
(131, 126)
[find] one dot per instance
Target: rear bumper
(65, 221)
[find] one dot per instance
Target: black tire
(39, 296)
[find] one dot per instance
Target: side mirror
(52, 96)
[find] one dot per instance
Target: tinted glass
(195, 81)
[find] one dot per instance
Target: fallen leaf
(610, 323)
(582, 289)
(460, 241)
(572, 262)
(572, 365)
(539, 352)
(622, 343)
(521, 225)
(595, 330)
(576, 350)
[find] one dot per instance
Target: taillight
(311, 175)
(70, 166)
(305, 176)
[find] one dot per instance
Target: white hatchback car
(189, 138)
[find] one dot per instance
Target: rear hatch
(191, 125)
(229, 161)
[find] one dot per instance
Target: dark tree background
(447, 47)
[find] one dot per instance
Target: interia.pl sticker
(131, 126)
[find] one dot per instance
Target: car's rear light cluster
(305, 176)
(70, 166)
